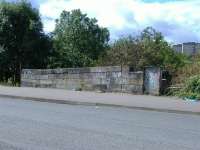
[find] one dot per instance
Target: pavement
(31, 125)
(62, 96)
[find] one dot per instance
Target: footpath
(61, 96)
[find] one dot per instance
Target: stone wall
(108, 79)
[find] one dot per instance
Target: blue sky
(178, 20)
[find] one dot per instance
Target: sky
(178, 20)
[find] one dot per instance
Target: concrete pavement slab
(170, 104)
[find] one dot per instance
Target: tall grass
(188, 79)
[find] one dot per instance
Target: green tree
(78, 40)
(21, 35)
(5, 72)
(124, 51)
(147, 49)
(158, 52)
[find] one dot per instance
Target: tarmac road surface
(29, 125)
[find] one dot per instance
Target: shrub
(191, 88)
(147, 49)
(191, 68)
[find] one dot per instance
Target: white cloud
(121, 16)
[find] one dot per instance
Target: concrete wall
(111, 79)
(189, 48)
(198, 48)
(178, 48)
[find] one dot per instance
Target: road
(28, 125)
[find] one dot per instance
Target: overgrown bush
(191, 88)
(148, 49)
(183, 73)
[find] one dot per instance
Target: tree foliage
(78, 40)
(147, 49)
(22, 38)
